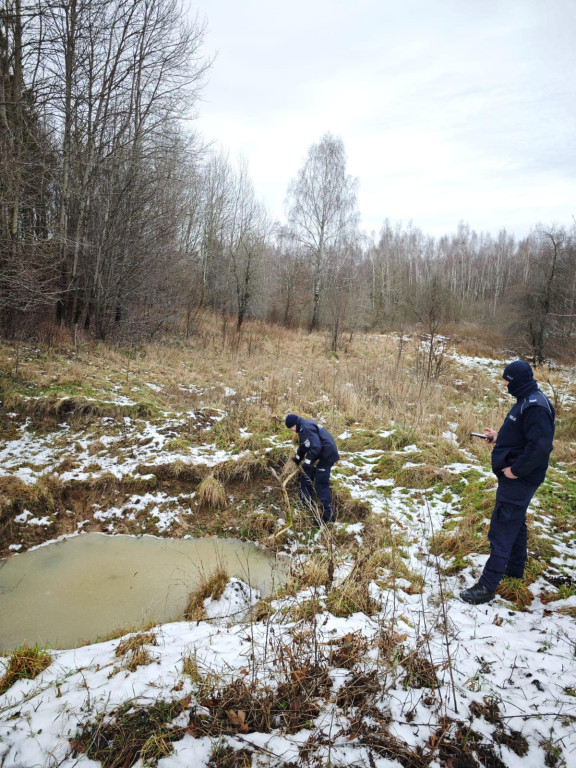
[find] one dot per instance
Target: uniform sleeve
(538, 431)
(310, 445)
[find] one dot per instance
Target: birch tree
(322, 211)
(245, 242)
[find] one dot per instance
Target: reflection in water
(73, 591)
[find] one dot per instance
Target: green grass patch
(390, 465)
(563, 592)
(557, 499)
(366, 439)
(177, 445)
(541, 548)
(463, 536)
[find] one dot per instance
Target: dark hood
(521, 378)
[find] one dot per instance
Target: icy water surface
(74, 591)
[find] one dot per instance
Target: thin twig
(443, 606)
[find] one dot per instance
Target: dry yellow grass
(248, 382)
(210, 586)
(133, 651)
(271, 369)
(135, 642)
(469, 536)
(211, 494)
(25, 663)
(245, 469)
(190, 667)
(115, 634)
(516, 592)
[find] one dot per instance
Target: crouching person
(318, 452)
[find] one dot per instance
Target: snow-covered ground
(115, 449)
(491, 677)
(521, 662)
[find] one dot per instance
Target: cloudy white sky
(449, 110)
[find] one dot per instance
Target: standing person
(319, 452)
(522, 448)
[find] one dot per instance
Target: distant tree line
(116, 221)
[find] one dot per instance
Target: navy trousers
(317, 477)
(508, 536)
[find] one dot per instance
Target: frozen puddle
(73, 591)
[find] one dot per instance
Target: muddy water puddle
(74, 591)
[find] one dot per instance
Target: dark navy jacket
(315, 442)
(524, 444)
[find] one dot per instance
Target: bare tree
(217, 182)
(322, 210)
(118, 78)
(27, 254)
(344, 305)
(288, 278)
(431, 310)
(245, 242)
(545, 302)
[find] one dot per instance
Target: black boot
(477, 594)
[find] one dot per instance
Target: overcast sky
(449, 109)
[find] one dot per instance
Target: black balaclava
(521, 378)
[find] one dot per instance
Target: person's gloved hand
(296, 459)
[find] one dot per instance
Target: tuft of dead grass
(26, 663)
(131, 734)
(261, 611)
(211, 494)
(134, 652)
(224, 756)
(422, 476)
(516, 591)
(76, 409)
(210, 586)
(467, 535)
(120, 632)
(352, 594)
(420, 672)
(190, 667)
(257, 526)
(359, 692)
(347, 651)
(313, 572)
(247, 468)
(244, 706)
(175, 470)
(350, 597)
(133, 642)
(564, 592)
(346, 508)
(44, 497)
(305, 610)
